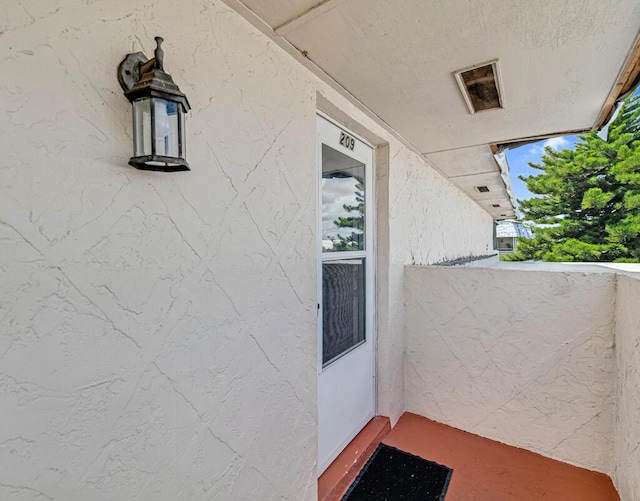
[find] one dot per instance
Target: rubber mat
(395, 475)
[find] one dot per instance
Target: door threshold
(334, 482)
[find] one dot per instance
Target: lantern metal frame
(142, 78)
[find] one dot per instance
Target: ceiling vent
(495, 205)
(482, 189)
(481, 86)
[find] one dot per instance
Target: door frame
(370, 266)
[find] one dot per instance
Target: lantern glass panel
(142, 127)
(183, 142)
(166, 127)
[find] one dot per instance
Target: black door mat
(395, 475)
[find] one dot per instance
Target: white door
(346, 355)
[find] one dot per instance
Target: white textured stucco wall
(158, 331)
(523, 357)
(627, 443)
(428, 222)
(426, 225)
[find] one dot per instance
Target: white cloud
(335, 194)
(557, 143)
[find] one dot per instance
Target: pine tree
(355, 220)
(589, 202)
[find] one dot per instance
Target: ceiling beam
(483, 173)
(523, 141)
(306, 16)
(627, 78)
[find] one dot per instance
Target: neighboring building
(508, 233)
(167, 336)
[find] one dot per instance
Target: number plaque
(347, 141)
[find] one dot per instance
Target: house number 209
(347, 141)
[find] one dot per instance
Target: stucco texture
(523, 357)
(159, 330)
(427, 224)
(627, 443)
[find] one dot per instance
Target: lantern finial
(159, 54)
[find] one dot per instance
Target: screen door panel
(343, 315)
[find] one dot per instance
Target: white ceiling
(464, 161)
(472, 167)
(559, 61)
(278, 12)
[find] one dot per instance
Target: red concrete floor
(485, 470)
(334, 482)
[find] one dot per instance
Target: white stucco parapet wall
(159, 330)
(627, 431)
(543, 356)
(523, 357)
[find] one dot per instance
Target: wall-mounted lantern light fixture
(158, 112)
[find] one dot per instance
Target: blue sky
(519, 158)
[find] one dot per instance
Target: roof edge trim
(628, 78)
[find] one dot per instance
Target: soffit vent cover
(481, 86)
(482, 189)
(495, 205)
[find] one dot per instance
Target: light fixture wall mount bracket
(129, 70)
